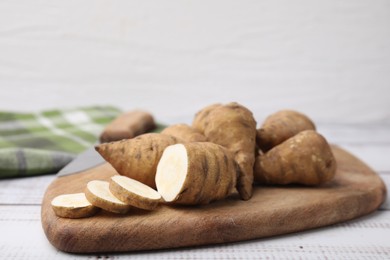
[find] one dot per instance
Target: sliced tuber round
(134, 193)
(73, 205)
(99, 194)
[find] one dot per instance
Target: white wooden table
(22, 237)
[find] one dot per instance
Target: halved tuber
(305, 158)
(137, 158)
(232, 126)
(134, 193)
(99, 194)
(73, 205)
(196, 173)
(280, 126)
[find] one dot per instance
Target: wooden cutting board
(356, 190)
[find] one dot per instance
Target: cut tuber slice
(134, 193)
(73, 205)
(99, 194)
(196, 173)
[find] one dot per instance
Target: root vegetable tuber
(305, 158)
(134, 193)
(98, 194)
(128, 125)
(73, 205)
(196, 173)
(185, 133)
(208, 161)
(233, 127)
(137, 158)
(280, 126)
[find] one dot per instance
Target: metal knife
(84, 161)
(90, 158)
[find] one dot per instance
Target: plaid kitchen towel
(44, 142)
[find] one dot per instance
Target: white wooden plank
(386, 179)
(366, 237)
(378, 134)
(29, 190)
(375, 156)
(370, 143)
(21, 233)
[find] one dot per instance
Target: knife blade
(116, 129)
(84, 161)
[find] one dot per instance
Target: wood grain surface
(356, 191)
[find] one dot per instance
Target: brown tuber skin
(280, 126)
(185, 133)
(128, 125)
(305, 158)
(137, 158)
(232, 126)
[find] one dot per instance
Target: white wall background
(329, 59)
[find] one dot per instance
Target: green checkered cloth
(44, 142)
